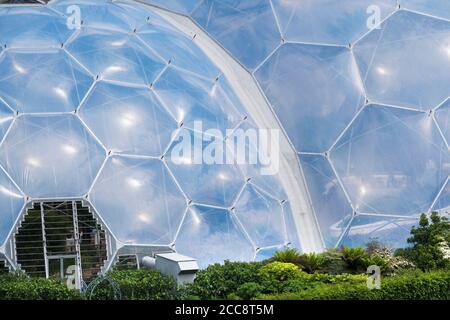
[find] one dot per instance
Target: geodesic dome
(92, 112)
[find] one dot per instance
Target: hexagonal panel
(392, 161)
(192, 160)
(386, 56)
(389, 231)
(11, 203)
(442, 115)
(48, 81)
(261, 216)
(138, 200)
(211, 235)
(128, 120)
(51, 156)
(116, 56)
(49, 29)
(436, 8)
(331, 207)
(329, 21)
(315, 92)
(245, 28)
(177, 48)
(192, 98)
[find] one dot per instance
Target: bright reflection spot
(128, 120)
(212, 92)
(382, 71)
(19, 68)
(362, 190)
(113, 69)
(60, 92)
(144, 217)
(33, 162)
(10, 193)
(67, 148)
(183, 160)
(447, 50)
(135, 183)
(195, 217)
(181, 114)
(222, 176)
(118, 43)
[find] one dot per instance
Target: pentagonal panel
(49, 29)
(128, 120)
(6, 117)
(315, 91)
(392, 232)
(198, 162)
(332, 209)
(51, 156)
(261, 216)
(386, 56)
(329, 21)
(192, 98)
(11, 203)
(392, 161)
(48, 81)
(211, 235)
(442, 115)
(138, 200)
(245, 28)
(436, 8)
(177, 48)
(116, 56)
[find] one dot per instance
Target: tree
(430, 242)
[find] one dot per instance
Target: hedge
(409, 286)
(142, 284)
(20, 287)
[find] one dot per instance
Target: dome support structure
(244, 85)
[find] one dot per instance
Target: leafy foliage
(219, 281)
(142, 284)
(355, 258)
(289, 255)
(410, 286)
(312, 262)
(430, 241)
(21, 287)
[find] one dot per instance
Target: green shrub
(289, 255)
(430, 241)
(334, 262)
(410, 286)
(142, 284)
(280, 271)
(355, 258)
(312, 262)
(249, 290)
(21, 287)
(377, 260)
(219, 281)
